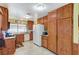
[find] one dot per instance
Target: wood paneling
(52, 31)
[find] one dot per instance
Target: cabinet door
(30, 25)
(60, 13)
(52, 31)
(46, 22)
(68, 10)
(44, 41)
(9, 46)
(65, 36)
(40, 21)
(4, 18)
(31, 35)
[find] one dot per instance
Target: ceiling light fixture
(40, 7)
(28, 16)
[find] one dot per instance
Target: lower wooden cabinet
(75, 49)
(9, 48)
(44, 41)
(19, 38)
(31, 35)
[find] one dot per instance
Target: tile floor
(32, 49)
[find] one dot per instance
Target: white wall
(75, 23)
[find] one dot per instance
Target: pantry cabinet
(65, 29)
(52, 40)
(65, 36)
(4, 19)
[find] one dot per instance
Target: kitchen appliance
(38, 30)
(45, 33)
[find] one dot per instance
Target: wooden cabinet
(65, 36)
(45, 22)
(30, 25)
(44, 41)
(65, 11)
(75, 49)
(68, 10)
(9, 47)
(19, 39)
(52, 40)
(60, 12)
(31, 35)
(40, 21)
(4, 20)
(65, 29)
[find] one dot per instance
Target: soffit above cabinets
(19, 10)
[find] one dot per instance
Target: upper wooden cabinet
(4, 20)
(45, 18)
(40, 21)
(60, 12)
(68, 10)
(30, 25)
(65, 11)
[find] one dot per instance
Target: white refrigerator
(38, 30)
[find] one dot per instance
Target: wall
(75, 23)
(4, 5)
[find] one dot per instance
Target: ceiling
(19, 10)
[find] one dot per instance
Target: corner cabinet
(4, 19)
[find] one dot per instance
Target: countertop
(10, 37)
(44, 35)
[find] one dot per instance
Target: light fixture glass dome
(40, 7)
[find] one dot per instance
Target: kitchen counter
(44, 35)
(10, 37)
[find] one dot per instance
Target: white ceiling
(19, 10)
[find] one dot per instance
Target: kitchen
(20, 24)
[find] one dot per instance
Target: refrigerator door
(37, 32)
